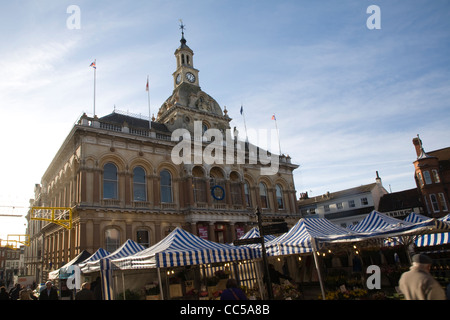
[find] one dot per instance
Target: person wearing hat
(418, 283)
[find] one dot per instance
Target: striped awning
(436, 239)
(299, 238)
(63, 273)
(181, 248)
(254, 233)
(379, 223)
(128, 248)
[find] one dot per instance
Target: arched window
(199, 184)
(279, 193)
(142, 237)
(112, 239)
(166, 186)
(235, 189)
(217, 184)
(110, 181)
(139, 185)
(263, 195)
(248, 200)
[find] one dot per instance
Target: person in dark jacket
(14, 292)
(232, 292)
(49, 293)
(85, 293)
(3, 294)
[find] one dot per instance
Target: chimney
(378, 179)
(418, 145)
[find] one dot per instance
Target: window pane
(110, 172)
(236, 194)
(143, 238)
(279, 197)
(110, 181)
(112, 240)
(247, 195)
(436, 176)
(139, 185)
(427, 177)
(442, 201)
(434, 203)
(199, 189)
(166, 186)
(263, 195)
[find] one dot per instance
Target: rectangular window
(442, 202)
(434, 202)
(364, 202)
(326, 208)
(419, 177)
(339, 205)
(436, 176)
(351, 203)
(427, 177)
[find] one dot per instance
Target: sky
(348, 99)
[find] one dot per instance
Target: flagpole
(95, 80)
(245, 125)
(149, 110)
(278, 133)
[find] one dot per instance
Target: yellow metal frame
(25, 242)
(58, 215)
(14, 244)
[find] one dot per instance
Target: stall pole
(264, 256)
(313, 243)
(160, 283)
(123, 284)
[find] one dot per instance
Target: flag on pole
(149, 109)
(273, 117)
(242, 109)
(93, 65)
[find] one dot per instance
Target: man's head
(422, 261)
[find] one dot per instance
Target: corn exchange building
(117, 173)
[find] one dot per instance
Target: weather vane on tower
(182, 27)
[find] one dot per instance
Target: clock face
(190, 77)
(178, 78)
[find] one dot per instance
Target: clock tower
(185, 73)
(188, 103)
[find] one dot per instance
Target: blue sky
(348, 100)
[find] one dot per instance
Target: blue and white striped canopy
(181, 248)
(436, 239)
(299, 238)
(128, 248)
(378, 223)
(100, 253)
(415, 217)
(254, 233)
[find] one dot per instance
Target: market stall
(103, 265)
(183, 249)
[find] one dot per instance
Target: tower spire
(182, 27)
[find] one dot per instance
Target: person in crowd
(3, 294)
(25, 294)
(49, 293)
(14, 292)
(85, 293)
(418, 283)
(232, 292)
(96, 287)
(275, 276)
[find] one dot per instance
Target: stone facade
(118, 175)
